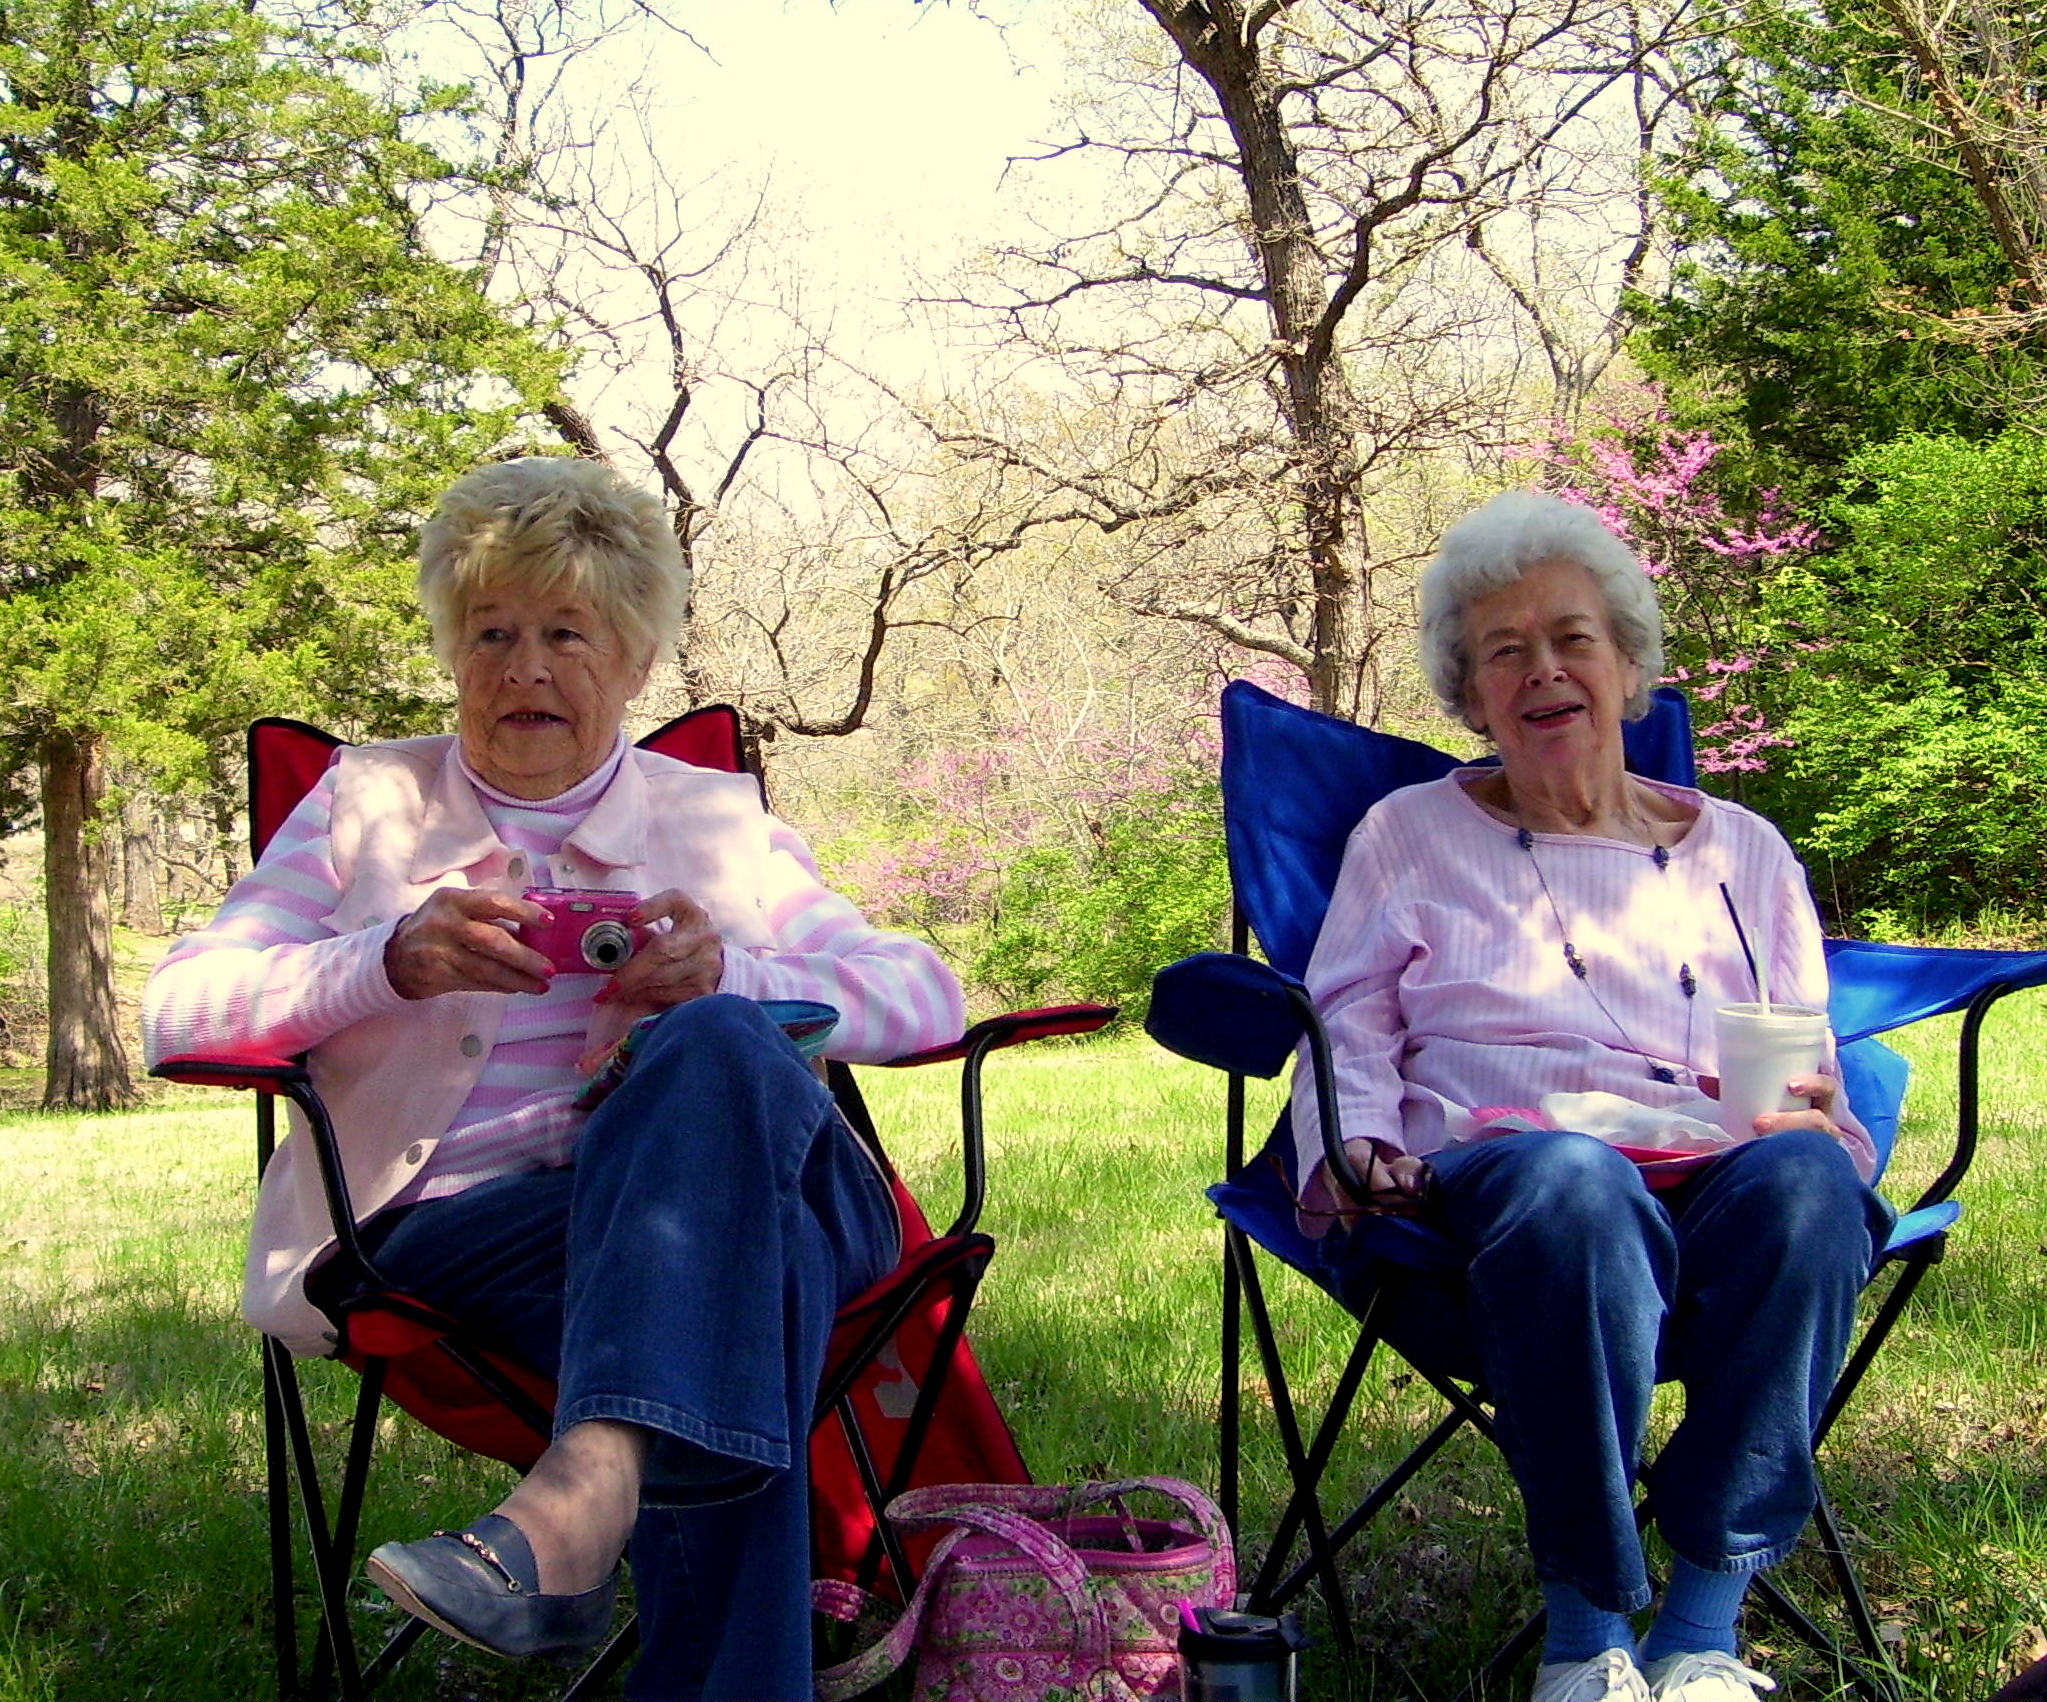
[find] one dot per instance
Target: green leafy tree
(1919, 720)
(1095, 922)
(231, 375)
(1829, 242)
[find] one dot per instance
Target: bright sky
(882, 129)
(893, 120)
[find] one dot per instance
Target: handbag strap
(1208, 1516)
(1208, 1519)
(939, 1502)
(1054, 1558)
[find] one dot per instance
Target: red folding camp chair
(902, 1401)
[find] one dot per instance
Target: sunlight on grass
(131, 1500)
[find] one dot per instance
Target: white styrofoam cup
(1760, 1051)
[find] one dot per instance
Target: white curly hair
(547, 522)
(1492, 547)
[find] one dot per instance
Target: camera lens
(606, 945)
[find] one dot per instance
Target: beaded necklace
(1687, 982)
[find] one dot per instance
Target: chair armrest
(1229, 1012)
(262, 1072)
(270, 1075)
(1011, 1029)
(1874, 988)
(1234, 1013)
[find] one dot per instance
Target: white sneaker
(1707, 1677)
(1609, 1677)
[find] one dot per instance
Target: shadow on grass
(133, 1519)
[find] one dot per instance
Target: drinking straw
(1741, 934)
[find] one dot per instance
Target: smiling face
(1547, 681)
(541, 685)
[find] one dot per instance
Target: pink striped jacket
(394, 1075)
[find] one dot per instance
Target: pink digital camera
(585, 932)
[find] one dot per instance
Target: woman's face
(1548, 681)
(541, 685)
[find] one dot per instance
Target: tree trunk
(228, 836)
(1221, 45)
(142, 888)
(87, 1065)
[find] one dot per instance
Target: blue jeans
(682, 1275)
(1582, 1290)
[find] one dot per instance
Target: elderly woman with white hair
(673, 1257)
(1555, 925)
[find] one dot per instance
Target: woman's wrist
(1395, 1183)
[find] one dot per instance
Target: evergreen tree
(1825, 233)
(231, 375)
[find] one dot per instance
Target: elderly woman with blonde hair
(673, 1257)
(1512, 952)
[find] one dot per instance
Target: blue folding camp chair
(1294, 784)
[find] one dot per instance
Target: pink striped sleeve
(267, 973)
(893, 993)
(1354, 978)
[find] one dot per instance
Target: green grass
(131, 1508)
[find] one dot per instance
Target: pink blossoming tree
(1651, 482)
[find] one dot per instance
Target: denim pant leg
(723, 1214)
(1572, 1266)
(1775, 1241)
(492, 1256)
(683, 1276)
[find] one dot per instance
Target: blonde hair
(549, 522)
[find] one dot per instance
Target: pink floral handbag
(1032, 1597)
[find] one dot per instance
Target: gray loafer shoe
(483, 1586)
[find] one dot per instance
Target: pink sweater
(1440, 967)
(519, 1116)
(293, 961)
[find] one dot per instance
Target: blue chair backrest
(1296, 782)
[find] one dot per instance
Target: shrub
(1094, 924)
(1918, 709)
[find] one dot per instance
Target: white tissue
(1689, 1126)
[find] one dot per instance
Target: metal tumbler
(1240, 1657)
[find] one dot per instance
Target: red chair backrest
(705, 738)
(287, 758)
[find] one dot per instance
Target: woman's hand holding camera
(681, 962)
(674, 965)
(462, 940)
(457, 942)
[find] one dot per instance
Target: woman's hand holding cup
(1821, 1090)
(1770, 1078)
